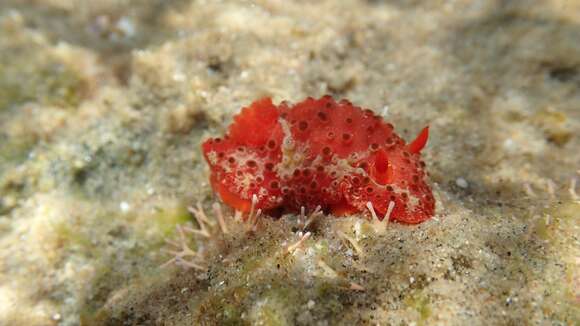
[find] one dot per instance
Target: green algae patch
(420, 303)
(271, 311)
(557, 227)
(256, 303)
(567, 210)
(231, 314)
(168, 217)
(70, 237)
(32, 78)
(558, 221)
(36, 78)
(31, 70)
(544, 228)
(327, 294)
(225, 307)
(157, 223)
(17, 148)
(321, 248)
(49, 83)
(14, 150)
(254, 260)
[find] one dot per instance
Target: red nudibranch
(319, 152)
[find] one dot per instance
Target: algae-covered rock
(107, 216)
(32, 71)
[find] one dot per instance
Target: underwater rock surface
(103, 108)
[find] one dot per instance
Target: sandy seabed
(103, 106)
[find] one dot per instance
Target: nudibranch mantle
(319, 152)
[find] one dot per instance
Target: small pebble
(461, 183)
(179, 77)
(124, 206)
(509, 144)
(385, 111)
